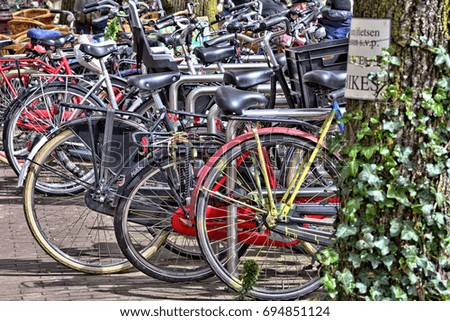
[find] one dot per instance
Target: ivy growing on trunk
(393, 241)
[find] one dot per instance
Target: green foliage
(393, 241)
(251, 275)
(111, 29)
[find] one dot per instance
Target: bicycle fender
(26, 165)
(129, 175)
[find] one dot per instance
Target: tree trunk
(391, 240)
(205, 8)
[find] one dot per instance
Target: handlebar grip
(165, 24)
(238, 7)
(267, 24)
(91, 9)
(90, 5)
(100, 19)
(216, 41)
(61, 11)
(164, 19)
(101, 3)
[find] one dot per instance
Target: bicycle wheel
(37, 114)
(8, 94)
(150, 204)
(231, 212)
(60, 203)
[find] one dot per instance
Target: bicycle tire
(285, 271)
(7, 97)
(36, 114)
(144, 218)
(74, 235)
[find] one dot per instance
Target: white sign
(367, 38)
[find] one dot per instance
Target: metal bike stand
(211, 119)
(173, 89)
(232, 233)
(210, 90)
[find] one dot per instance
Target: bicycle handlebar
(93, 4)
(165, 23)
(100, 19)
(238, 7)
(70, 17)
(89, 10)
(69, 13)
(271, 22)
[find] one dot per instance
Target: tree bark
(412, 21)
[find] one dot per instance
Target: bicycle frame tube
(11, 64)
(286, 206)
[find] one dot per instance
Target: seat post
(109, 87)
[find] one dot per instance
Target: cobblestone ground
(28, 273)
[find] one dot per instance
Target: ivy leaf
(352, 206)
(369, 175)
(375, 294)
(329, 282)
(353, 152)
(328, 257)
(371, 212)
(361, 245)
(398, 293)
(378, 195)
(408, 232)
(398, 194)
(444, 83)
(395, 61)
(390, 126)
(383, 245)
(433, 169)
(373, 259)
(427, 208)
(439, 150)
(441, 94)
(344, 231)
(390, 162)
(425, 264)
(403, 154)
(353, 167)
(388, 261)
(369, 151)
(384, 151)
(412, 277)
(354, 259)
(362, 288)
(441, 59)
(368, 239)
(427, 95)
(440, 219)
(395, 228)
(440, 198)
(346, 279)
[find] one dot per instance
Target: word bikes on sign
(367, 39)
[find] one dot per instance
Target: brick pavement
(28, 273)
